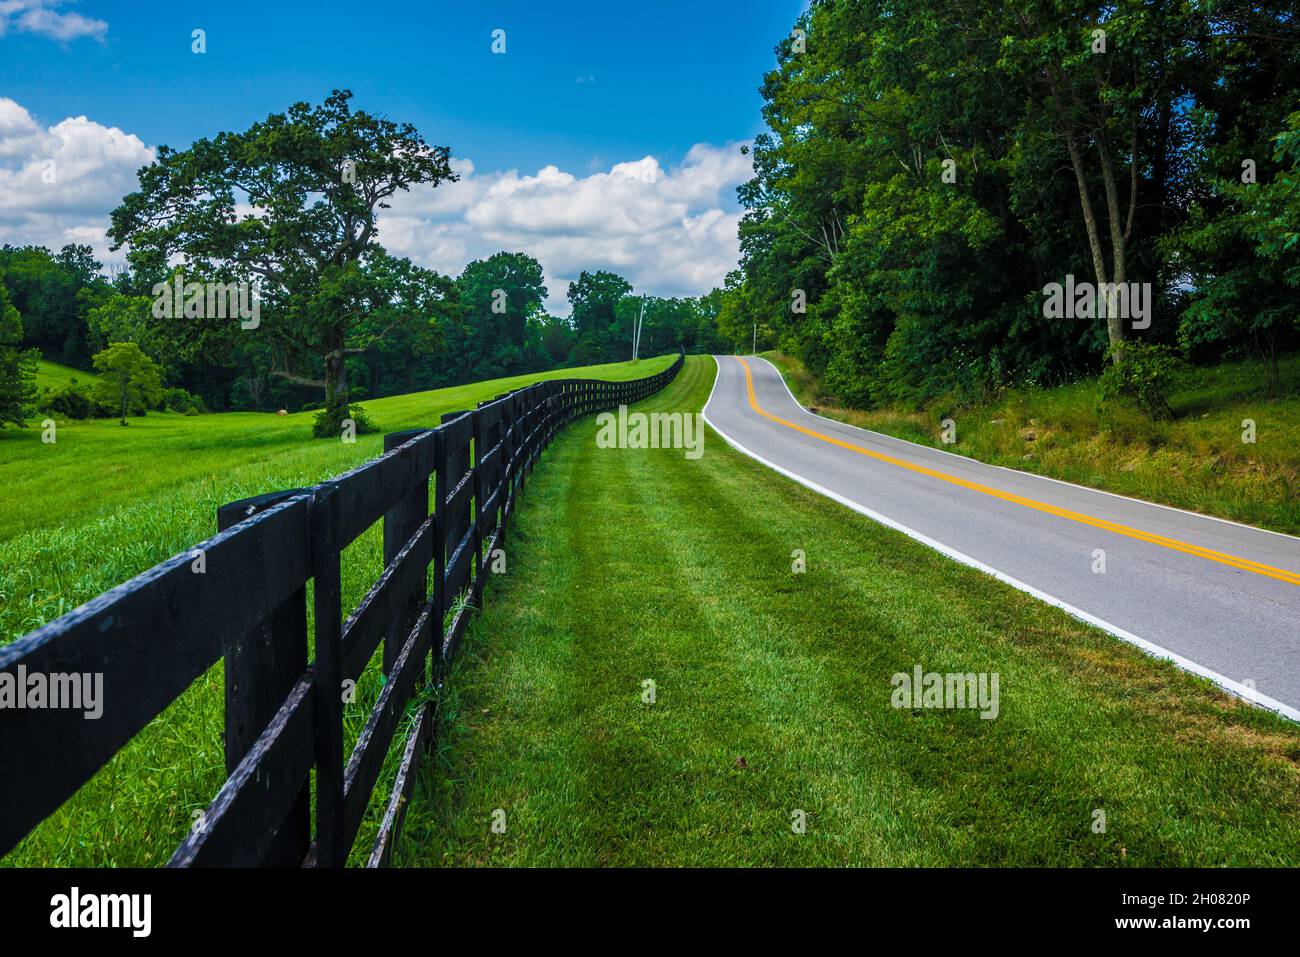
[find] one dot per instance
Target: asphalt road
(1218, 598)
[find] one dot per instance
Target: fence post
(450, 466)
(328, 612)
(508, 436)
(482, 445)
(528, 421)
(440, 602)
(400, 523)
(261, 668)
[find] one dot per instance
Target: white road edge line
(1227, 684)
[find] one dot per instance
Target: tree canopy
(928, 169)
(291, 205)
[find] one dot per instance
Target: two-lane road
(1218, 598)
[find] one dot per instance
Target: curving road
(1218, 598)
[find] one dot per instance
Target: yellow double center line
(1245, 564)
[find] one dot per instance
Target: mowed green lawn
(773, 696)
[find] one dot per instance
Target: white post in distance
(636, 330)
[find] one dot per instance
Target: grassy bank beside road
(772, 696)
(1197, 461)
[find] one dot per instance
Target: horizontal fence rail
(241, 597)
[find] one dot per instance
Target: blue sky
(580, 82)
(606, 136)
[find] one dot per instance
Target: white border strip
(1227, 684)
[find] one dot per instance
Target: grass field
(51, 375)
(1198, 461)
(772, 696)
(103, 504)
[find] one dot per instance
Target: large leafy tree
(291, 203)
(557, 339)
(595, 297)
(401, 324)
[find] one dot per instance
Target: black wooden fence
(152, 636)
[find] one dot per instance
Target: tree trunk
(256, 391)
(125, 400)
(336, 386)
(1089, 217)
(1274, 372)
(1114, 324)
(1118, 243)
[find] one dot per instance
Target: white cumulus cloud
(58, 184)
(44, 18)
(670, 232)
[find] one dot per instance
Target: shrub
(1144, 373)
(179, 400)
(73, 402)
(323, 427)
(1124, 423)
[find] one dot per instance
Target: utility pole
(636, 331)
(755, 352)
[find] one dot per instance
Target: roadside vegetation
(772, 696)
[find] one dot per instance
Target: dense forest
(930, 169)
